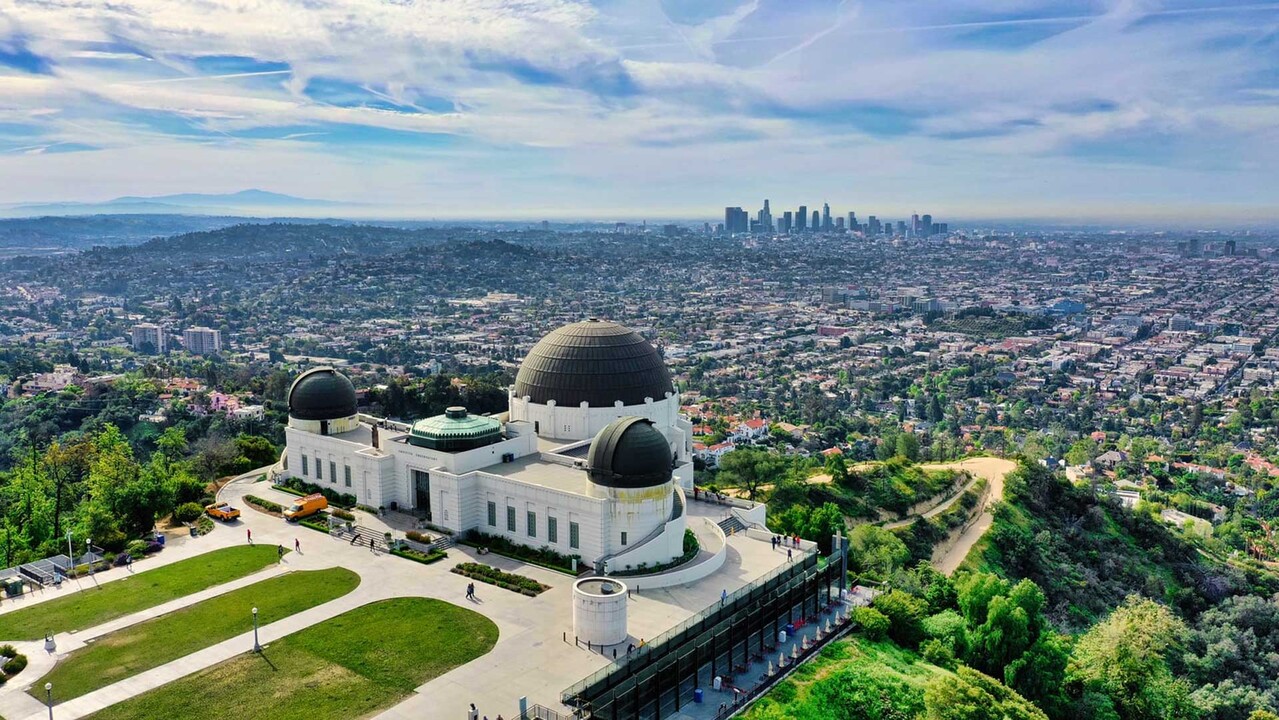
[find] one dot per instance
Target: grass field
(351, 666)
(92, 607)
(150, 644)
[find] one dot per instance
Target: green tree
(749, 468)
(875, 550)
(969, 695)
(1125, 657)
(907, 446)
(905, 613)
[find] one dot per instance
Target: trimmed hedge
(265, 506)
(312, 523)
(17, 662)
(504, 580)
(424, 558)
(297, 486)
(343, 514)
(543, 556)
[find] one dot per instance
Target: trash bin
(717, 683)
(159, 537)
(790, 628)
(697, 695)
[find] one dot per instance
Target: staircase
(443, 542)
(731, 525)
(360, 536)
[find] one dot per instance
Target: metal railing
(807, 560)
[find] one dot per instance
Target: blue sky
(1126, 109)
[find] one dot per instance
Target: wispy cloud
(988, 105)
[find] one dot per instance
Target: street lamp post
(88, 551)
(70, 552)
(256, 647)
(48, 696)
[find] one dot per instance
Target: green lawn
(94, 606)
(352, 666)
(150, 644)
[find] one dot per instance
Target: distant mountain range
(245, 202)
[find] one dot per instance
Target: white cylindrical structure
(599, 611)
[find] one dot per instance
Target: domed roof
(596, 362)
(322, 394)
(455, 430)
(629, 453)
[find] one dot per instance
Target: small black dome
(596, 362)
(629, 453)
(322, 394)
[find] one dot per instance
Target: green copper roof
(455, 430)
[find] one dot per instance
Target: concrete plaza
(535, 655)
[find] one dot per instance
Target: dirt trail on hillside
(994, 470)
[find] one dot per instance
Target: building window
(572, 535)
(333, 472)
(510, 519)
(348, 474)
(492, 514)
(552, 530)
(305, 469)
(532, 524)
(623, 537)
(319, 469)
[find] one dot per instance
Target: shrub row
(264, 505)
(504, 580)
(544, 556)
(340, 513)
(424, 558)
(311, 522)
(297, 486)
(419, 537)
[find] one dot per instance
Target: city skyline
(1128, 111)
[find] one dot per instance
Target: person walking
(789, 557)
(279, 551)
(470, 591)
(372, 549)
(249, 534)
(723, 596)
(354, 536)
(297, 545)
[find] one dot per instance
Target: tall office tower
(901, 228)
(914, 224)
(926, 225)
(1231, 248)
(145, 334)
(839, 224)
(817, 221)
(766, 217)
(826, 216)
(788, 218)
(736, 220)
(201, 340)
(1193, 248)
(801, 218)
(852, 222)
(872, 225)
(943, 228)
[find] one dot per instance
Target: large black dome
(322, 394)
(629, 453)
(596, 362)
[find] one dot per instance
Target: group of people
(474, 714)
(788, 542)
